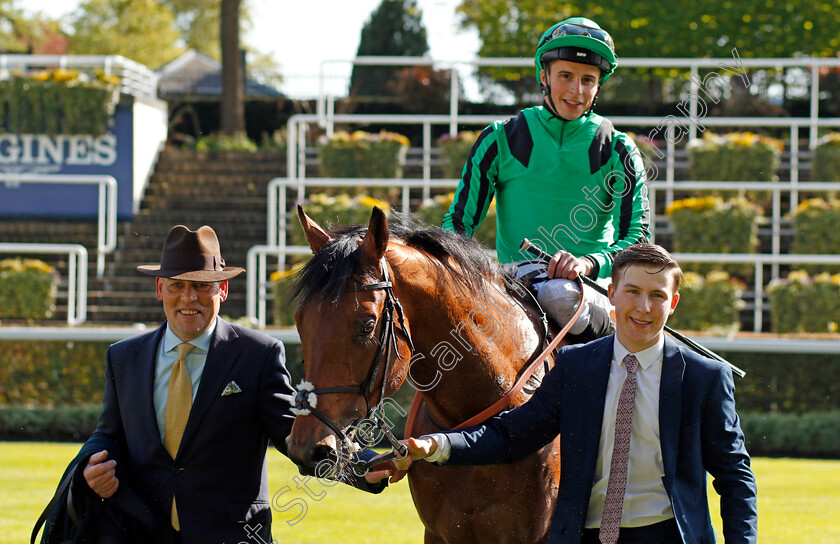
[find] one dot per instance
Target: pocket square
(231, 389)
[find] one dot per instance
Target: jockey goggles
(571, 29)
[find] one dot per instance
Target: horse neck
(470, 344)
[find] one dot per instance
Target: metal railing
(77, 274)
(278, 220)
(107, 207)
(729, 67)
(135, 79)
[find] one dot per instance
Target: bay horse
(470, 341)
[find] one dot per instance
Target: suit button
(176, 470)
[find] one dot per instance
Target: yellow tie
(178, 404)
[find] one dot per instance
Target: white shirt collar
(646, 357)
(171, 341)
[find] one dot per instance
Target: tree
(712, 28)
(142, 30)
(395, 28)
(233, 83)
(36, 35)
(197, 22)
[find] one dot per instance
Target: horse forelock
(325, 277)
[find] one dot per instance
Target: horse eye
(367, 326)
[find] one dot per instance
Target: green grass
(798, 501)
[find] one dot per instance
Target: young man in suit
(194, 422)
(642, 421)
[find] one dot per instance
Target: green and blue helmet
(577, 39)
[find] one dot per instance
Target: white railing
(278, 215)
(135, 79)
(728, 68)
(291, 336)
(77, 274)
(107, 207)
(758, 260)
(278, 221)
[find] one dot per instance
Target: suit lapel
(670, 403)
(145, 362)
(596, 382)
(220, 360)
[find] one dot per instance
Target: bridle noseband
(306, 399)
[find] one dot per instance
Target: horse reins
(305, 400)
(517, 387)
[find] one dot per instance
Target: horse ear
(315, 235)
(376, 237)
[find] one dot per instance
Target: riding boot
(599, 325)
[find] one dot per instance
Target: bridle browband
(305, 400)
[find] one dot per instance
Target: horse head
(355, 343)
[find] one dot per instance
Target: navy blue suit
(699, 433)
(219, 471)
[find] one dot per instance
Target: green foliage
(395, 28)
(57, 102)
(737, 156)
(362, 155)
(827, 158)
(219, 141)
(276, 141)
(283, 308)
(511, 28)
(815, 434)
(786, 382)
(816, 231)
(27, 290)
(52, 373)
(710, 225)
(433, 211)
(454, 152)
(801, 303)
(64, 423)
(141, 30)
(710, 303)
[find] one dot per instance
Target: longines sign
(110, 154)
(43, 153)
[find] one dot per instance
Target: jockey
(562, 177)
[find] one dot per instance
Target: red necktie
(611, 517)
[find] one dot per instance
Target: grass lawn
(799, 501)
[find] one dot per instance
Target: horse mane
(328, 272)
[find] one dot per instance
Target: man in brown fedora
(194, 405)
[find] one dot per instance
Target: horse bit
(306, 399)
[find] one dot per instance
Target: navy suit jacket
(699, 433)
(219, 472)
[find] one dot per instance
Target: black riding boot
(599, 325)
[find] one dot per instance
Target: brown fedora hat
(191, 256)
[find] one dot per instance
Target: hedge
(801, 303)
(815, 226)
(710, 303)
(58, 102)
(362, 155)
(52, 373)
(815, 434)
(66, 423)
(454, 152)
(27, 289)
(712, 225)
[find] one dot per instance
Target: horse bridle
(305, 400)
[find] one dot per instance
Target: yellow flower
(280, 274)
(697, 204)
(798, 276)
(370, 202)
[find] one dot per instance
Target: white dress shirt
(167, 354)
(645, 500)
